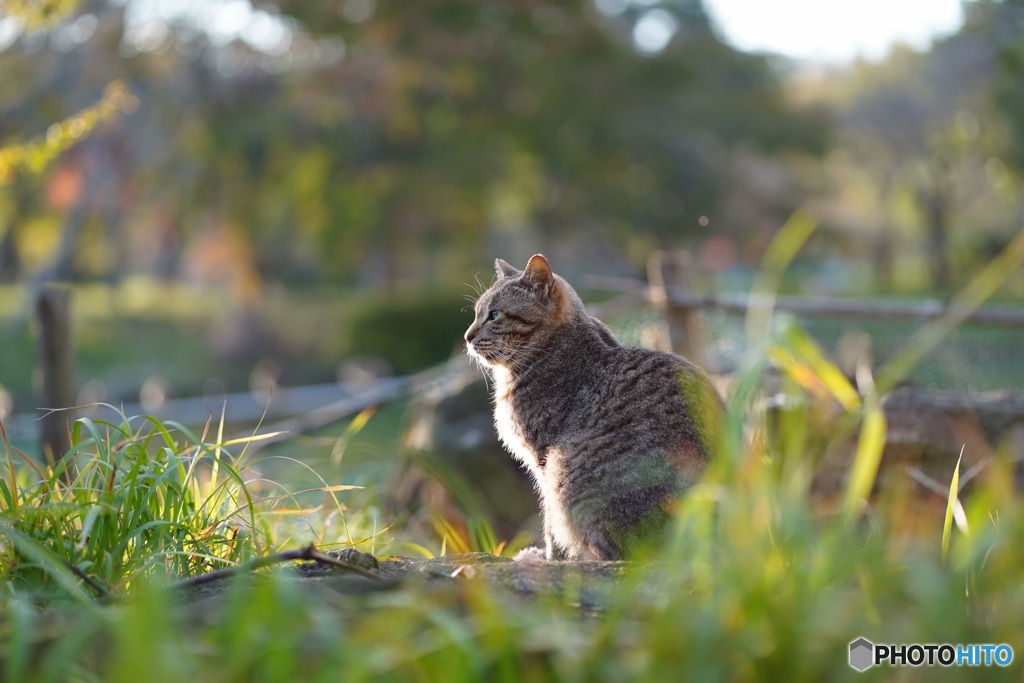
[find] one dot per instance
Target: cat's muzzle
(484, 352)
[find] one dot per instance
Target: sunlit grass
(133, 500)
(139, 500)
(754, 584)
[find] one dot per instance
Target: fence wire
(973, 358)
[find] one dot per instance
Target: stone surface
(926, 431)
(584, 584)
(455, 462)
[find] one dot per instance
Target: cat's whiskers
(479, 283)
(522, 365)
(477, 288)
(479, 361)
(522, 375)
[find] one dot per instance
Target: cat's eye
(494, 314)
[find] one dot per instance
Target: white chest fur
(555, 520)
(505, 423)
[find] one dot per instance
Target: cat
(610, 434)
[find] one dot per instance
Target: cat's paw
(531, 554)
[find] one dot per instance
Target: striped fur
(611, 434)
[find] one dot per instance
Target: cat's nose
(470, 336)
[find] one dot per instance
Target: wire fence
(985, 353)
(973, 358)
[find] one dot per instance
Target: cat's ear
(538, 273)
(503, 269)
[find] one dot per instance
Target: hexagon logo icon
(862, 654)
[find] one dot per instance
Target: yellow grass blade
(951, 503)
(780, 253)
(251, 439)
(867, 457)
(289, 512)
(813, 367)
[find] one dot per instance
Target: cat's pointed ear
(538, 273)
(505, 269)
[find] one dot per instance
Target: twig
(308, 553)
(318, 556)
(101, 592)
(943, 491)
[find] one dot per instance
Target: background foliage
(261, 150)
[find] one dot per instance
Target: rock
(583, 583)
(947, 419)
(455, 462)
(350, 555)
(926, 432)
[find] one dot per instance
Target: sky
(826, 32)
(832, 31)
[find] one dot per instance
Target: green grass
(133, 501)
(760, 580)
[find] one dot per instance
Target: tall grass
(132, 500)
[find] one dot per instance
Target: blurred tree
(923, 136)
(549, 117)
(21, 158)
(39, 13)
(379, 142)
(1003, 23)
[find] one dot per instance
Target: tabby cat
(611, 434)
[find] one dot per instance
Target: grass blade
(13, 501)
(951, 503)
(50, 562)
(780, 253)
(807, 364)
(867, 457)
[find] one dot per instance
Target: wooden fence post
(56, 363)
(673, 269)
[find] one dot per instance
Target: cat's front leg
(551, 549)
(531, 554)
